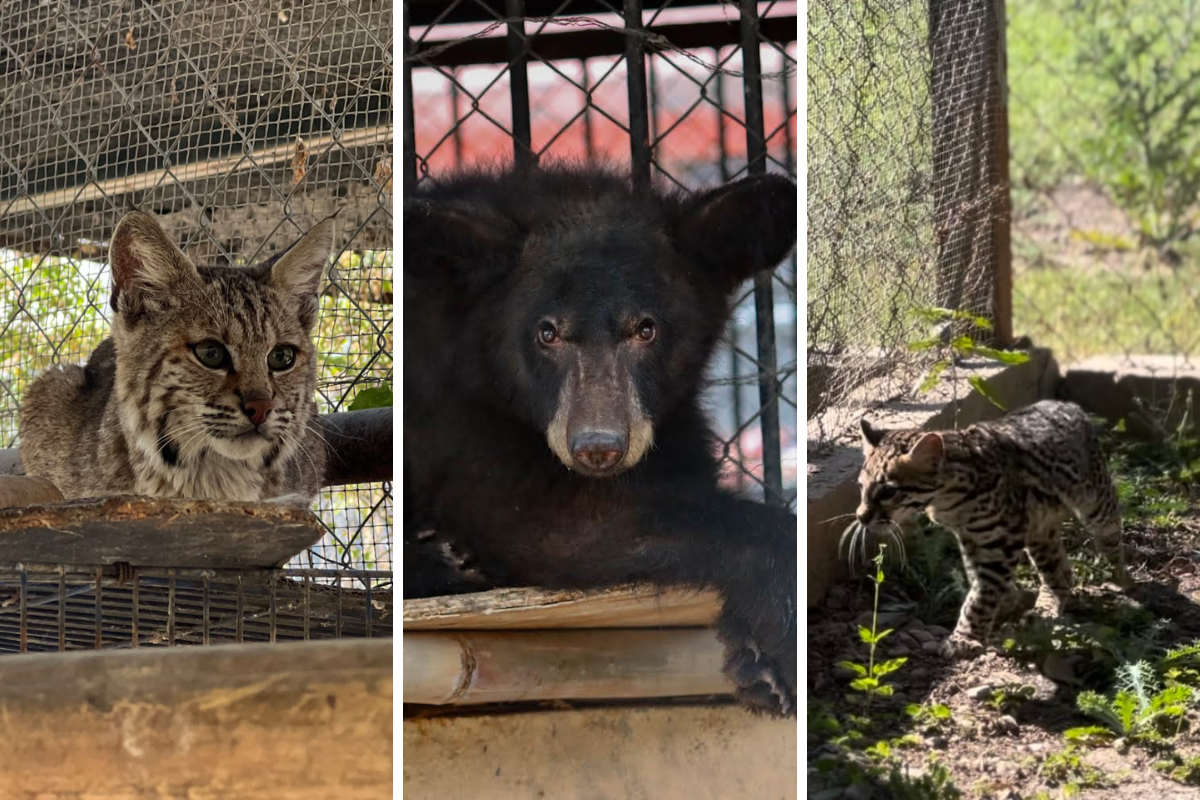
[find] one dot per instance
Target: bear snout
(599, 450)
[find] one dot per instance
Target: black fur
(488, 257)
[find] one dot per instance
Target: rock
(938, 631)
(859, 791)
(921, 635)
(1121, 745)
(931, 647)
(980, 694)
(1007, 724)
(885, 620)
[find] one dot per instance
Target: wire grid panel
(48, 608)
(903, 195)
(579, 109)
(1105, 127)
(239, 127)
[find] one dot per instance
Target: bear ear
(741, 228)
(147, 266)
(453, 242)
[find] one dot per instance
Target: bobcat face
(214, 360)
(899, 477)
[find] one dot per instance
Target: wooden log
(157, 532)
(359, 444)
(23, 491)
(625, 607)
(286, 721)
(489, 667)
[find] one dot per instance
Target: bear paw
(460, 560)
(760, 683)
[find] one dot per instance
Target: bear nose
(257, 410)
(598, 450)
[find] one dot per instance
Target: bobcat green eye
(282, 357)
(211, 354)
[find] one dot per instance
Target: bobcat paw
(960, 645)
(760, 683)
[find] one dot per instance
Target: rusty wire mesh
(239, 126)
(904, 131)
(1104, 111)
(579, 108)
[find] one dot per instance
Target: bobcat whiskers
(858, 536)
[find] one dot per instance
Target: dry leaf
(383, 172)
(299, 159)
(130, 42)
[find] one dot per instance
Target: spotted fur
(1003, 487)
(147, 417)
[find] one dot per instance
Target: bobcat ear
(927, 452)
(741, 228)
(146, 266)
(456, 243)
(871, 437)
(297, 272)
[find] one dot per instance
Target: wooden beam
(506, 609)
(285, 721)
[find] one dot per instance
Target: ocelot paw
(761, 684)
(960, 645)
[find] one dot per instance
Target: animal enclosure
(239, 127)
(692, 94)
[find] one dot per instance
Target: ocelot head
(900, 474)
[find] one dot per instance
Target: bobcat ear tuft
(871, 437)
(147, 266)
(298, 271)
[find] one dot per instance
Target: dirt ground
(1008, 709)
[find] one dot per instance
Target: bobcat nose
(257, 410)
(598, 450)
(863, 513)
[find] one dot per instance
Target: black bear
(557, 324)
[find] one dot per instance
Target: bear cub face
(603, 301)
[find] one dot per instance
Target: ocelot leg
(989, 562)
(1049, 555)
(1101, 514)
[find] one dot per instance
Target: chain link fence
(905, 207)
(1105, 118)
(493, 81)
(239, 126)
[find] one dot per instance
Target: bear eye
(282, 357)
(548, 334)
(646, 331)
(211, 354)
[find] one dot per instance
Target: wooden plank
(21, 491)
(499, 609)
(157, 533)
(285, 721)
(492, 667)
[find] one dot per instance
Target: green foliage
(1145, 68)
(935, 783)
(1179, 769)
(374, 397)
(1139, 710)
(868, 676)
(1068, 767)
(961, 347)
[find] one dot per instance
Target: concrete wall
(644, 753)
(832, 478)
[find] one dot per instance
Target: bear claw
(759, 683)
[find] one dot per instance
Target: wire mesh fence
(711, 97)
(1105, 119)
(906, 205)
(239, 126)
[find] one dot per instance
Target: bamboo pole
(442, 668)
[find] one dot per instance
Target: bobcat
(205, 388)
(1003, 487)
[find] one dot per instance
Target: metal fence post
(635, 65)
(409, 168)
(518, 60)
(764, 293)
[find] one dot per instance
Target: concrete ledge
(832, 478)
(1110, 386)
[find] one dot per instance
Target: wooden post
(970, 160)
(285, 721)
